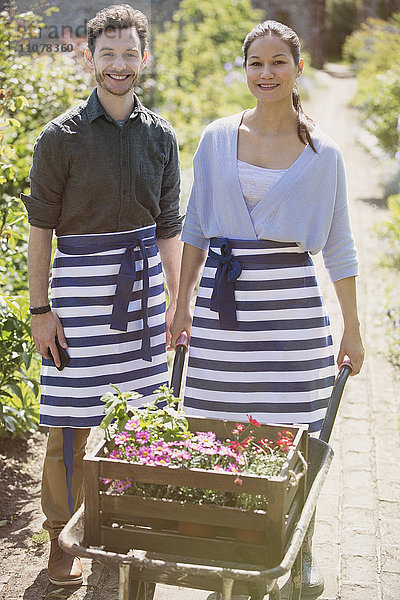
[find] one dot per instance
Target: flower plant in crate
(208, 478)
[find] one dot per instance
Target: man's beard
(103, 83)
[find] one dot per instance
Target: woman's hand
(352, 347)
(182, 321)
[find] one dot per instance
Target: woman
(269, 190)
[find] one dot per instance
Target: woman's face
(271, 70)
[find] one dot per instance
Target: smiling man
(105, 178)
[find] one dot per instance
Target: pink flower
(142, 437)
(120, 438)
(132, 424)
(238, 481)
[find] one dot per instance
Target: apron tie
(223, 295)
(126, 279)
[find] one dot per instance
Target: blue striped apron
(108, 291)
(260, 341)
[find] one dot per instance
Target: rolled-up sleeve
(169, 222)
(48, 176)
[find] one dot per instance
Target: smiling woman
(269, 191)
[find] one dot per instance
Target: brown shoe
(63, 568)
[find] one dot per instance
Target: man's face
(117, 60)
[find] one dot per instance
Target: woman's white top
(308, 205)
(256, 181)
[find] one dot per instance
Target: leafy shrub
(18, 391)
(33, 90)
(393, 327)
(198, 65)
(341, 20)
(374, 50)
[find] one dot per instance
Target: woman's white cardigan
(308, 205)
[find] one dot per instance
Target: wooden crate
(121, 522)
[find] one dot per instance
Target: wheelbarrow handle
(344, 371)
(181, 347)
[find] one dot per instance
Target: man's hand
(45, 329)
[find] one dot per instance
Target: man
(105, 177)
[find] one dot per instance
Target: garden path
(359, 509)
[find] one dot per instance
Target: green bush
(33, 90)
(18, 390)
(393, 327)
(198, 66)
(341, 20)
(374, 50)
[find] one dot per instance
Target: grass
(40, 538)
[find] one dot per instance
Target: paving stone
(352, 591)
(356, 542)
(390, 558)
(327, 554)
(364, 440)
(331, 579)
(355, 496)
(353, 515)
(388, 490)
(328, 505)
(390, 583)
(389, 509)
(389, 531)
(357, 461)
(359, 569)
(328, 528)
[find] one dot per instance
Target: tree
(317, 37)
(198, 64)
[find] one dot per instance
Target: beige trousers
(54, 487)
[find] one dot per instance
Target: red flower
(284, 441)
(253, 421)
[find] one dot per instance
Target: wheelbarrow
(140, 570)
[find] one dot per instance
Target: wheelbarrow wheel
(141, 590)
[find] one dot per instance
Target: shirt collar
(95, 109)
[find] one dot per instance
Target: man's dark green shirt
(90, 175)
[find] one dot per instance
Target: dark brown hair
(114, 17)
(290, 37)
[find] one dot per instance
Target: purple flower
(122, 485)
(116, 454)
(397, 156)
(238, 61)
(228, 66)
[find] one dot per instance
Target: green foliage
(198, 63)
(34, 88)
(374, 49)
(168, 422)
(18, 390)
(393, 327)
(390, 233)
(341, 20)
